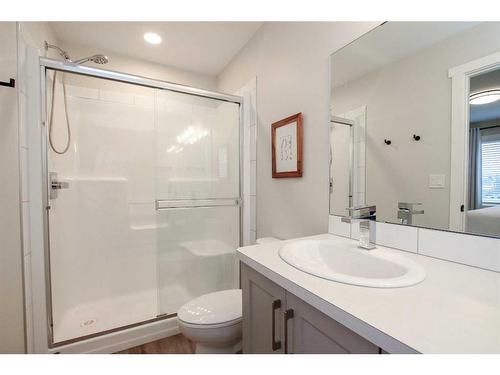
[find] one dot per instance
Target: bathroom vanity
(271, 314)
(455, 309)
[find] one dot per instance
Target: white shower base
(104, 315)
(123, 339)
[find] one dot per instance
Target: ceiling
(201, 47)
(388, 43)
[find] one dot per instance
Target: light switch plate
(437, 181)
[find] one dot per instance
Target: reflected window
(490, 170)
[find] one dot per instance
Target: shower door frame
(47, 64)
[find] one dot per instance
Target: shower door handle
(170, 204)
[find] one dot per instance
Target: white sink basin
(343, 261)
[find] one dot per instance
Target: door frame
(42, 310)
(460, 79)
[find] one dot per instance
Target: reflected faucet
(406, 211)
(366, 217)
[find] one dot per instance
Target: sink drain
(88, 323)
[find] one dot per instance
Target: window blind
(490, 170)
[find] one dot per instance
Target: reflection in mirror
(483, 208)
(392, 97)
(347, 166)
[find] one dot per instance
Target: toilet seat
(210, 326)
(213, 310)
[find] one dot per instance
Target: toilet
(213, 321)
(264, 240)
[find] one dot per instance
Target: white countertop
(456, 309)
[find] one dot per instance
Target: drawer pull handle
(287, 316)
(275, 344)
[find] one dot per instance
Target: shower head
(97, 59)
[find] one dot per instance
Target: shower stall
(143, 210)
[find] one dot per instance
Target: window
(490, 172)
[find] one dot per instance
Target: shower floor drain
(88, 323)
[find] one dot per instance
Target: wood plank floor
(177, 344)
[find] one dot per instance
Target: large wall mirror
(415, 125)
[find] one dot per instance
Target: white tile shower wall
(477, 251)
(249, 94)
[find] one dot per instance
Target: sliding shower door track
(113, 330)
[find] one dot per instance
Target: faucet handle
(362, 212)
(408, 205)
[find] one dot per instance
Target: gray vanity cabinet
(297, 326)
(312, 332)
(263, 307)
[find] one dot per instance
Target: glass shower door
(144, 206)
(197, 196)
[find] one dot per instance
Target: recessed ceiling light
(152, 38)
(485, 97)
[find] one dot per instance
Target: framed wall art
(287, 147)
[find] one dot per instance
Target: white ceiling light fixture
(152, 38)
(484, 97)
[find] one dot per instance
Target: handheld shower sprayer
(97, 59)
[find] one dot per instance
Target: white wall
(291, 62)
(11, 276)
(412, 96)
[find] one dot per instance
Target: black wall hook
(11, 83)
(387, 141)
(416, 137)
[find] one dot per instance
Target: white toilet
(213, 321)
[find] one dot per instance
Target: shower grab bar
(196, 203)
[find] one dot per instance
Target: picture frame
(287, 147)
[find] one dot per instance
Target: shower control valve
(56, 185)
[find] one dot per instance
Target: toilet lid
(213, 308)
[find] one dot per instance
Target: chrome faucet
(366, 217)
(406, 211)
